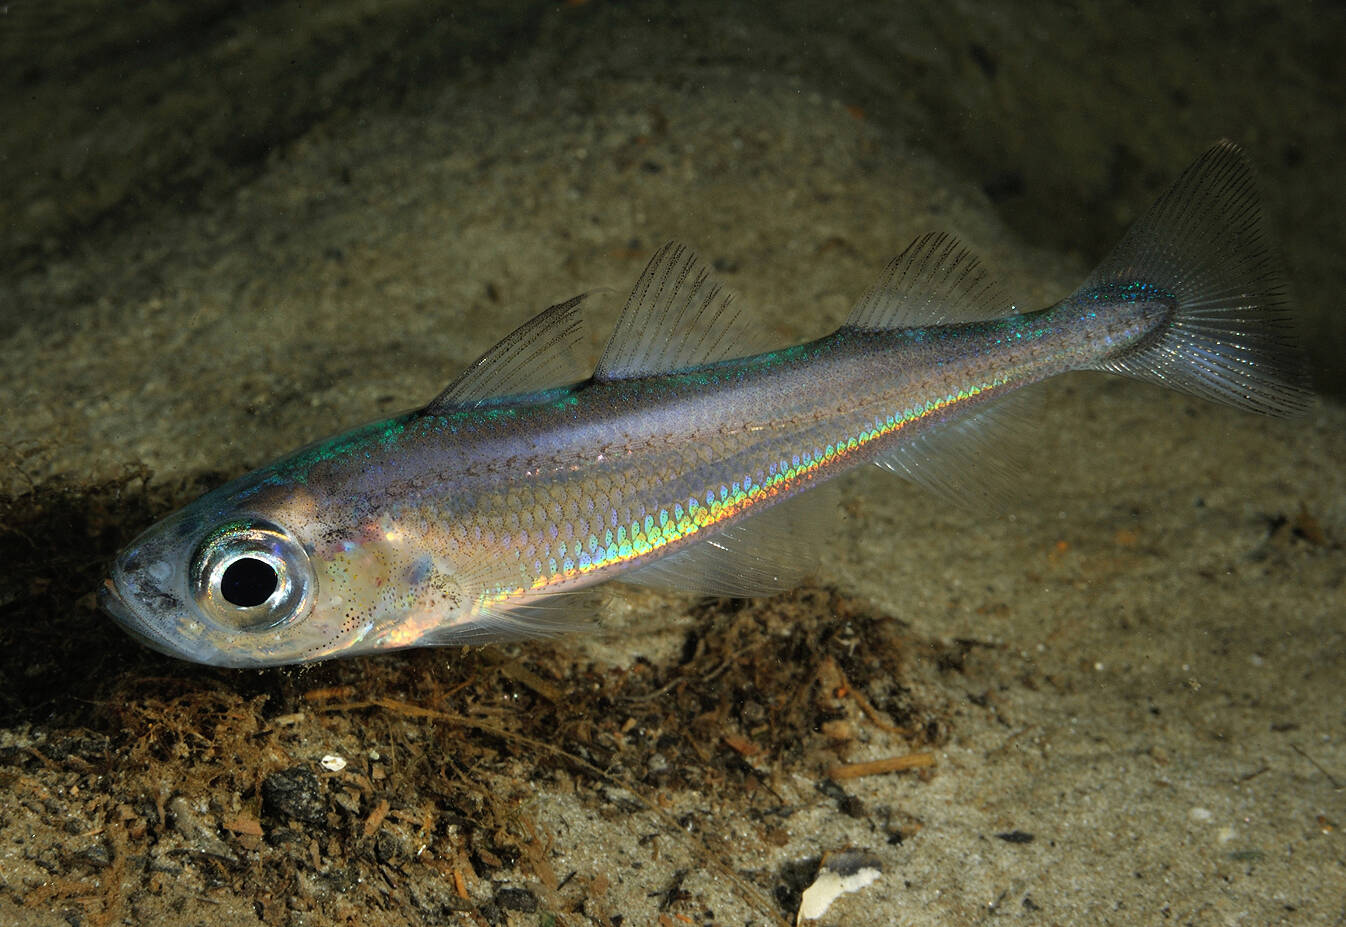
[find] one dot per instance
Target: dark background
(1070, 117)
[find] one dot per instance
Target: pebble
(516, 899)
(388, 847)
(294, 793)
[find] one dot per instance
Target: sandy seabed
(1123, 696)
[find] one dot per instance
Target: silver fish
(477, 517)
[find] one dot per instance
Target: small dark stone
(96, 856)
(516, 899)
(848, 804)
(388, 848)
(294, 793)
(1016, 836)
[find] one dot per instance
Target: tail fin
(1231, 339)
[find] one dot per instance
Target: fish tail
(1230, 334)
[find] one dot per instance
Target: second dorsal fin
(677, 316)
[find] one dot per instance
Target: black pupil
(248, 582)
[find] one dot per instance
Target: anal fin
(761, 555)
(976, 460)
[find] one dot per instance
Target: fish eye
(251, 576)
(248, 582)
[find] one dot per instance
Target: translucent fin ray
(976, 460)
(540, 616)
(934, 281)
(1231, 339)
(767, 553)
(677, 316)
(539, 354)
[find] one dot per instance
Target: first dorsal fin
(537, 355)
(677, 316)
(935, 281)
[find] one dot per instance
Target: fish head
(264, 573)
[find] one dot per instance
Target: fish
(686, 458)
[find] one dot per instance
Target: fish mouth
(111, 601)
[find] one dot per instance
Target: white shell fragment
(333, 763)
(848, 871)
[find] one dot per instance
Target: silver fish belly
(478, 517)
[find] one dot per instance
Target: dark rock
(388, 847)
(516, 899)
(96, 856)
(294, 793)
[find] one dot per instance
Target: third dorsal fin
(935, 281)
(677, 316)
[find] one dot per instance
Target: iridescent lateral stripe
(628, 543)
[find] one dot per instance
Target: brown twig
(886, 765)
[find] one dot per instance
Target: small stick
(886, 765)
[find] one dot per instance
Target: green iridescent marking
(360, 443)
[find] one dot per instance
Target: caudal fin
(1231, 339)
